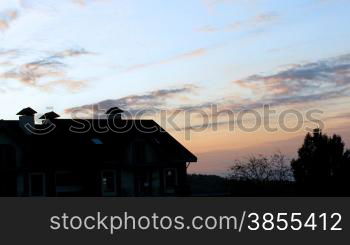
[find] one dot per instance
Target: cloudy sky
(187, 56)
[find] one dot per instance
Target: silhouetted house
(96, 157)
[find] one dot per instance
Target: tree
(321, 160)
(262, 169)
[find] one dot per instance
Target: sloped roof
(72, 133)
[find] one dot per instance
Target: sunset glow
(187, 55)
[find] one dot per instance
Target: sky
(184, 59)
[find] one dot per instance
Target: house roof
(70, 133)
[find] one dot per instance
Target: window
(108, 183)
(97, 141)
(170, 180)
(37, 184)
(144, 183)
(67, 182)
(148, 182)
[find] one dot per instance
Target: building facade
(96, 157)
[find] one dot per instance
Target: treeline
(208, 185)
(321, 169)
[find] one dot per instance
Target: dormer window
(97, 141)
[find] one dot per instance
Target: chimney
(49, 117)
(26, 117)
(317, 132)
(114, 113)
